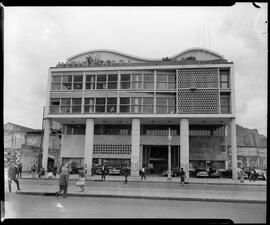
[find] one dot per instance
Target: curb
(196, 182)
(147, 197)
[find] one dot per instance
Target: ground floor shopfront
(141, 142)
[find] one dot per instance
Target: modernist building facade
(117, 108)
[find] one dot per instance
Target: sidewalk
(153, 188)
(214, 181)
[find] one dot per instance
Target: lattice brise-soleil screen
(200, 101)
(112, 149)
(199, 78)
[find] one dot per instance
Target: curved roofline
(196, 49)
(112, 51)
(146, 59)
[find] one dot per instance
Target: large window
(148, 104)
(111, 105)
(89, 104)
(225, 102)
(100, 105)
(74, 129)
(224, 78)
(166, 103)
(101, 81)
(112, 81)
(67, 83)
(137, 81)
(90, 81)
(65, 105)
(124, 105)
(112, 129)
(142, 104)
(77, 82)
(55, 105)
(148, 81)
(125, 81)
(136, 105)
(159, 130)
(76, 105)
(166, 80)
(56, 83)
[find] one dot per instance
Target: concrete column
(89, 143)
(247, 161)
(141, 157)
(233, 150)
(46, 139)
(135, 147)
(155, 91)
(184, 145)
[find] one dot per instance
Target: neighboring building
(251, 148)
(117, 108)
(28, 145)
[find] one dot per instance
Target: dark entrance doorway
(155, 158)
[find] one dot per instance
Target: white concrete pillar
(184, 145)
(89, 143)
(45, 143)
(233, 150)
(247, 161)
(135, 147)
(141, 157)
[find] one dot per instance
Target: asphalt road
(27, 206)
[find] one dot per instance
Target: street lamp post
(169, 154)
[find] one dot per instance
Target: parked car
(226, 173)
(114, 171)
(202, 173)
(260, 174)
(174, 173)
(215, 174)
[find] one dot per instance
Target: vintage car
(202, 173)
(260, 174)
(114, 171)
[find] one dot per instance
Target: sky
(36, 38)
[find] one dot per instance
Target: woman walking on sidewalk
(81, 182)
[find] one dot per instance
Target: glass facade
(157, 91)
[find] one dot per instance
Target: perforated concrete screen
(199, 78)
(112, 149)
(203, 97)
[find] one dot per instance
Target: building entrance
(155, 158)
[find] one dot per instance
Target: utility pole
(41, 140)
(169, 154)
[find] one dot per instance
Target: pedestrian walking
(143, 174)
(252, 176)
(55, 170)
(242, 173)
(81, 182)
(126, 173)
(103, 172)
(85, 168)
(12, 177)
(20, 170)
(63, 183)
(182, 176)
(34, 169)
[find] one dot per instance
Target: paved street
(21, 206)
(161, 190)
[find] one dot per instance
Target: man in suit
(12, 177)
(63, 182)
